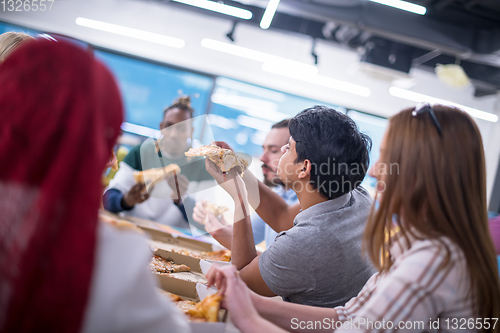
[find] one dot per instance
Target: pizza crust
(225, 159)
(221, 255)
(206, 310)
(152, 176)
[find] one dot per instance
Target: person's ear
(162, 126)
(305, 170)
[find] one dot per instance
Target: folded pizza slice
(208, 308)
(152, 176)
(225, 159)
(214, 209)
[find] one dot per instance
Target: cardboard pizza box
(199, 267)
(195, 292)
(164, 237)
(196, 265)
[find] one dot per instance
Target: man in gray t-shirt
(316, 258)
(318, 261)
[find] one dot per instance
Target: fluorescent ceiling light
(321, 80)
(268, 16)
(140, 130)
(404, 5)
(242, 101)
(256, 55)
(250, 89)
(130, 32)
(416, 97)
(219, 8)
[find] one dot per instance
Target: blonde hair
(9, 41)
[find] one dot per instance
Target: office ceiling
(452, 31)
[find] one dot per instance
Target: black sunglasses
(426, 107)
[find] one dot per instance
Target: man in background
(275, 139)
(162, 204)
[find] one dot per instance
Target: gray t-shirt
(319, 261)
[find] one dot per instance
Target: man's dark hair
(338, 151)
(281, 124)
(183, 103)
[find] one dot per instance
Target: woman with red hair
(60, 270)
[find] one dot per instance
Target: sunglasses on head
(427, 108)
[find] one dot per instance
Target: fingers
(211, 224)
(222, 144)
(199, 212)
(218, 276)
(211, 220)
(144, 197)
(210, 276)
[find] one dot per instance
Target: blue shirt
(261, 231)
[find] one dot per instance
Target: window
(374, 127)
(148, 88)
(242, 114)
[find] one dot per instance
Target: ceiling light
(219, 8)
(320, 80)
(257, 55)
(268, 16)
(242, 101)
(416, 97)
(404, 5)
(250, 89)
(130, 32)
(254, 123)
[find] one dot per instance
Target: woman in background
(60, 270)
(9, 41)
(439, 269)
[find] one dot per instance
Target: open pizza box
(199, 267)
(193, 291)
(161, 237)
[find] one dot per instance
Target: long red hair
(60, 116)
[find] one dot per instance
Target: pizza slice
(208, 308)
(214, 209)
(152, 176)
(173, 297)
(222, 255)
(225, 159)
(161, 265)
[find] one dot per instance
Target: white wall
(334, 61)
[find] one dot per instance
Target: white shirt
(123, 295)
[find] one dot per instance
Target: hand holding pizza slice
(225, 159)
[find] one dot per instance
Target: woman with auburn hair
(60, 269)
(437, 270)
